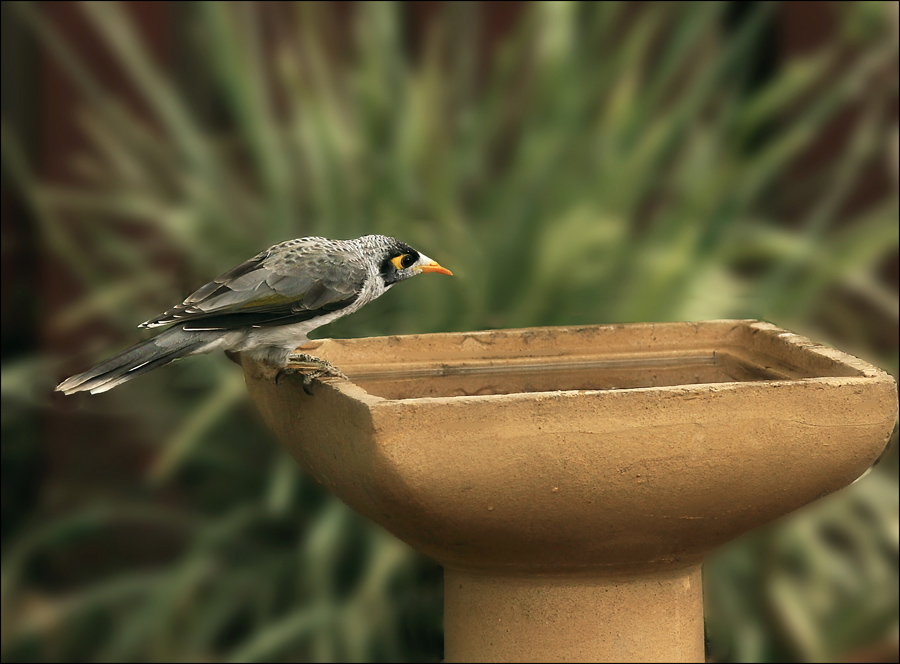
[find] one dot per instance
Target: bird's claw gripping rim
(311, 367)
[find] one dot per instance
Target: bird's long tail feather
(137, 360)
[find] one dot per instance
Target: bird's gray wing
(290, 282)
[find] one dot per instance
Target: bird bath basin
(570, 480)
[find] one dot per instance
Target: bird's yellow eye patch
(404, 261)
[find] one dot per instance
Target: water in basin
(550, 374)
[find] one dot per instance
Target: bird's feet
(311, 367)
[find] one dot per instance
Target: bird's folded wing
(276, 286)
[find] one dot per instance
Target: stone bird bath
(570, 480)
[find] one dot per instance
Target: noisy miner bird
(266, 307)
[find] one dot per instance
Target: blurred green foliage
(609, 164)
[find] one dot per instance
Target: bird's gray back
(291, 281)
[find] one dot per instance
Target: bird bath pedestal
(570, 480)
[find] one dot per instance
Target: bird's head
(399, 261)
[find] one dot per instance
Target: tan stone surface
(574, 618)
(596, 452)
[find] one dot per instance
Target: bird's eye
(404, 261)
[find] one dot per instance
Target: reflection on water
(545, 375)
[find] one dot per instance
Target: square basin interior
(542, 374)
(580, 358)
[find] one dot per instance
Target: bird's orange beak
(434, 267)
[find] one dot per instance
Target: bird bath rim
(758, 364)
